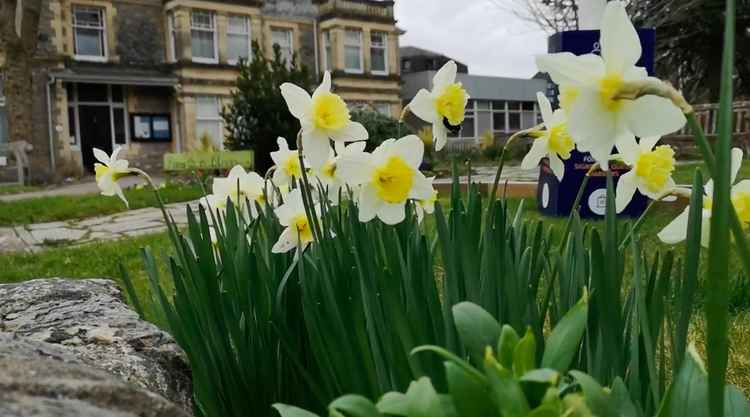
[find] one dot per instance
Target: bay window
(353, 51)
(379, 53)
(203, 36)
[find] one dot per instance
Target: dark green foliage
(380, 127)
(258, 113)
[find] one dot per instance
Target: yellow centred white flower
(288, 167)
(323, 117)
(108, 171)
(444, 106)
(388, 178)
(298, 232)
(241, 188)
(650, 173)
(554, 142)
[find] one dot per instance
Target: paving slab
(60, 234)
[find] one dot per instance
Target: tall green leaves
(717, 294)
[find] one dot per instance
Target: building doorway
(96, 132)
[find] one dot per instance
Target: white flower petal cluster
(590, 87)
(444, 106)
(323, 117)
(554, 142)
(298, 232)
(388, 178)
(650, 173)
(108, 171)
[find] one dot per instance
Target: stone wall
(140, 40)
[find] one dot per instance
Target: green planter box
(191, 161)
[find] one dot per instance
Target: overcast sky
(489, 38)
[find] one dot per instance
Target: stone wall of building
(140, 40)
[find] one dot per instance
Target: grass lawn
(49, 209)
(683, 174)
(17, 189)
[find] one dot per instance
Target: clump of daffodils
(324, 117)
(593, 91)
(444, 106)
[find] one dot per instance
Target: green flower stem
(576, 205)
(501, 163)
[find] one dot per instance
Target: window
(283, 39)
(238, 38)
(208, 120)
(379, 53)
(499, 117)
(383, 108)
(353, 51)
(89, 34)
(203, 34)
(172, 28)
(528, 119)
(327, 52)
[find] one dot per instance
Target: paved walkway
(34, 238)
(86, 186)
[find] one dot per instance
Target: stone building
(152, 75)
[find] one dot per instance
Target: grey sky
(491, 40)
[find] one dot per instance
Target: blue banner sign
(555, 197)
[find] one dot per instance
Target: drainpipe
(52, 163)
(315, 47)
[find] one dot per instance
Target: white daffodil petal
(440, 135)
(297, 100)
(676, 230)
(741, 187)
(392, 213)
(653, 116)
(288, 240)
(539, 149)
(736, 163)
(590, 122)
(445, 76)
(567, 69)
(557, 166)
(626, 187)
(355, 147)
(325, 86)
(101, 156)
(410, 149)
(646, 144)
(621, 46)
(546, 108)
(368, 203)
(628, 148)
(421, 187)
(115, 154)
(353, 132)
(355, 168)
(315, 147)
(423, 106)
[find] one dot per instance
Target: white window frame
(172, 29)
(218, 118)
(290, 35)
(102, 33)
(327, 51)
(384, 48)
(212, 29)
(361, 69)
(247, 33)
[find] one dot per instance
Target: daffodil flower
(388, 177)
(650, 173)
(292, 215)
(555, 142)
(323, 116)
(108, 171)
(288, 167)
(444, 106)
(241, 187)
(329, 175)
(598, 118)
(676, 230)
(427, 205)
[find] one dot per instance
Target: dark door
(96, 132)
